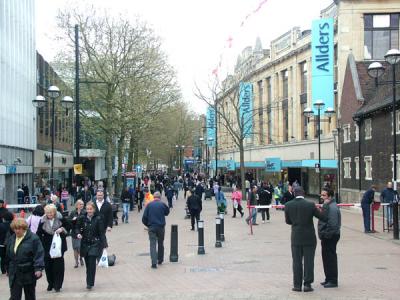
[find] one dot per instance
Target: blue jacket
(368, 197)
(387, 195)
(154, 214)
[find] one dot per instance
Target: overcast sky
(195, 33)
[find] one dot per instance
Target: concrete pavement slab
(246, 267)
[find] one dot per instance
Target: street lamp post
(67, 102)
(180, 149)
(376, 70)
(308, 113)
(201, 141)
(210, 140)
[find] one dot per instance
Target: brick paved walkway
(246, 267)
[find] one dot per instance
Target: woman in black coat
(53, 223)
(90, 229)
(25, 264)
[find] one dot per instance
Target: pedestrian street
(247, 266)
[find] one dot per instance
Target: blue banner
(322, 50)
(272, 164)
(246, 107)
(210, 120)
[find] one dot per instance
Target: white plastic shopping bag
(174, 198)
(235, 203)
(55, 249)
(103, 260)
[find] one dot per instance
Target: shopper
(90, 230)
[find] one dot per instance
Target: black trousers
(303, 272)
(329, 258)
(263, 212)
(55, 269)
(239, 208)
(3, 259)
(90, 262)
(194, 215)
(29, 291)
(156, 237)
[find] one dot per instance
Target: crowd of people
(90, 217)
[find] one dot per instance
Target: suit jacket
(107, 214)
(299, 213)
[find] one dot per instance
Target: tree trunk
(120, 158)
(242, 170)
(130, 153)
(109, 146)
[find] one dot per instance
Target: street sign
(78, 169)
(130, 174)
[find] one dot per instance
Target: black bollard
(200, 228)
(218, 233)
(222, 229)
(173, 257)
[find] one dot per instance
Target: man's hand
(38, 274)
(59, 230)
(108, 228)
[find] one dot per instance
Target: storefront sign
(273, 164)
(11, 169)
(210, 118)
(246, 107)
(322, 50)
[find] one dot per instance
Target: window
(304, 122)
(285, 121)
(381, 33)
(357, 131)
(397, 122)
(368, 167)
(303, 77)
(285, 84)
(368, 129)
(260, 111)
(269, 113)
(397, 167)
(346, 167)
(346, 133)
(357, 163)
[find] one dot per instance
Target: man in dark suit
(299, 214)
(105, 210)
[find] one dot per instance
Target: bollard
(173, 257)
(222, 234)
(218, 233)
(200, 229)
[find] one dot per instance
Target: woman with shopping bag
(52, 231)
(90, 230)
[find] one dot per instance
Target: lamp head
(39, 101)
(53, 91)
(329, 112)
(319, 104)
(393, 56)
(67, 102)
(308, 112)
(376, 70)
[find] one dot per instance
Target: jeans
(389, 216)
(90, 262)
(263, 212)
(156, 237)
(65, 203)
(253, 216)
(125, 208)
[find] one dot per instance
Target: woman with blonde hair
(25, 261)
(53, 223)
(76, 243)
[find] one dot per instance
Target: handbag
(235, 203)
(55, 249)
(103, 262)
